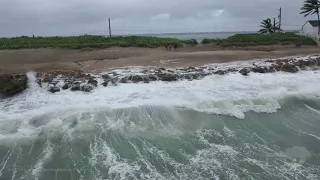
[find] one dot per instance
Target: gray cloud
(74, 17)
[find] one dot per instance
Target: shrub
(206, 41)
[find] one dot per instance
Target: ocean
(205, 35)
(199, 36)
(256, 127)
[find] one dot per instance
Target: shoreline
(77, 80)
(95, 61)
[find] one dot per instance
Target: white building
(310, 28)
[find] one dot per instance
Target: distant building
(310, 28)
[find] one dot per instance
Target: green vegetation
(243, 40)
(267, 27)
(86, 41)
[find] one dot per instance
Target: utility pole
(280, 16)
(109, 28)
(274, 24)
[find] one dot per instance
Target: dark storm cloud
(73, 17)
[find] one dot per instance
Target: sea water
(261, 126)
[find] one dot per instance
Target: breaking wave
(221, 127)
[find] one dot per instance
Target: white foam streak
(232, 94)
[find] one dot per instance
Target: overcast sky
(75, 17)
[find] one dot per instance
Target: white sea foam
(231, 94)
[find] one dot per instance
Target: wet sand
(89, 60)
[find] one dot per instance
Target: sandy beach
(89, 60)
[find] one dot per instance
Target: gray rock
(220, 72)
(54, 89)
(289, 68)
(259, 69)
(188, 77)
(244, 71)
(77, 83)
(191, 68)
(199, 70)
(54, 83)
(39, 82)
(106, 76)
(144, 71)
(136, 78)
(114, 80)
(204, 74)
(272, 69)
(153, 77)
(69, 81)
(105, 83)
(232, 70)
(197, 76)
(93, 82)
(168, 77)
(66, 86)
(86, 88)
(76, 87)
(146, 79)
(124, 80)
(11, 84)
(115, 74)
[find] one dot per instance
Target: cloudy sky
(75, 17)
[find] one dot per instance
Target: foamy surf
(220, 127)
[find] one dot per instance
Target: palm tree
(267, 27)
(311, 7)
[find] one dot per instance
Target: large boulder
(75, 87)
(188, 77)
(136, 78)
(153, 77)
(66, 86)
(259, 69)
(11, 84)
(220, 72)
(105, 83)
(289, 68)
(168, 77)
(115, 80)
(124, 80)
(93, 82)
(106, 76)
(54, 89)
(146, 79)
(244, 71)
(86, 88)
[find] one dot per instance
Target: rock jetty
(57, 81)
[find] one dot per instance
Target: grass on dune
(86, 41)
(242, 40)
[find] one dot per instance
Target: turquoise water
(264, 126)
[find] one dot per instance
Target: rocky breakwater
(11, 84)
(79, 81)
